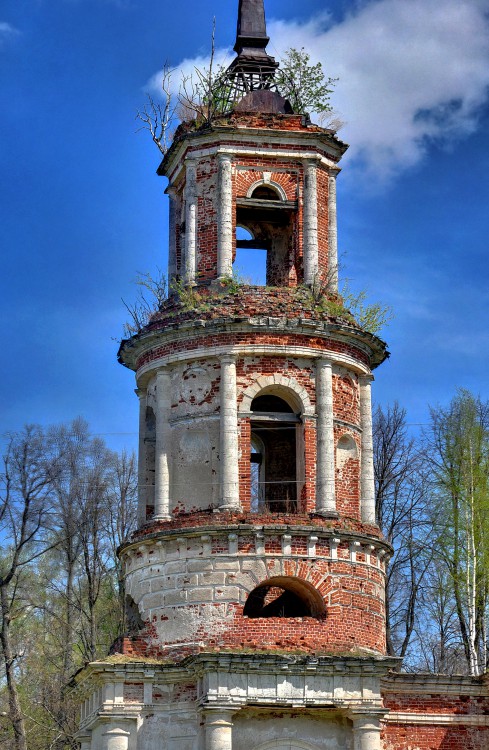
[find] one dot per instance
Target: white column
(229, 435)
(225, 219)
(142, 479)
(332, 234)
(162, 448)
(367, 457)
(172, 237)
(366, 732)
(85, 743)
(310, 223)
(218, 730)
(115, 739)
(190, 221)
(325, 476)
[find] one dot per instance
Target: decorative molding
(404, 717)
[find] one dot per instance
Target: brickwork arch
(281, 194)
(299, 598)
(283, 386)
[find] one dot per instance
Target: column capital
(218, 713)
(228, 359)
(366, 379)
(324, 362)
(224, 158)
(311, 162)
(172, 191)
(141, 393)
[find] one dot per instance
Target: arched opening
(284, 596)
(265, 193)
(270, 219)
(273, 457)
(250, 261)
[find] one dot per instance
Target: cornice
(312, 142)
(435, 684)
(131, 350)
(217, 529)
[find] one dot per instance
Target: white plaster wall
(195, 435)
(175, 729)
(195, 479)
(252, 729)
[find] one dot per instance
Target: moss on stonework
(229, 298)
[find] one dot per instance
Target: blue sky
(82, 210)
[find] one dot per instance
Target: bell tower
(255, 582)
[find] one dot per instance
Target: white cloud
(411, 72)
(7, 31)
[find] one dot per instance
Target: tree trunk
(15, 711)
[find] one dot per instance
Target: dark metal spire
(249, 82)
(251, 37)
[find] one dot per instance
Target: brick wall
(191, 591)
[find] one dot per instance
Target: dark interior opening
(264, 193)
(271, 223)
(273, 455)
(284, 597)
(270, 403)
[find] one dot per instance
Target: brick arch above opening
(283, 386)
(281, 194)
(308, 601)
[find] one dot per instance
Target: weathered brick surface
(415, 737)
(198, 588)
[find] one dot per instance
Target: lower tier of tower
(240, 701)
(316, 587)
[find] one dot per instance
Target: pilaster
(190, 222)
(332, 234)
(162, 449)
(172, 237)
(229, 435)
(225, 219)
(366, 731)
(325, 476)
(218, 729)
(367, 481)
(310, 250)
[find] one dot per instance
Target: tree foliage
(433, 506)
(304, 85)
(205, 95)
(66, 503)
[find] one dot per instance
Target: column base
(326, 513)
(228, 509)
(161, 518)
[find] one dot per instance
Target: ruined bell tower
(255, 581)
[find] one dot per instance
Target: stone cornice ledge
(435, 684)
(403, 717)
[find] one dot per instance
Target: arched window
(273, 454)
(265, 193)
(270, 220)
(284, 596)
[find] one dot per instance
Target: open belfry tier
(255, 581)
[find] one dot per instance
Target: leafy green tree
(458, 452)
(304, 85)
